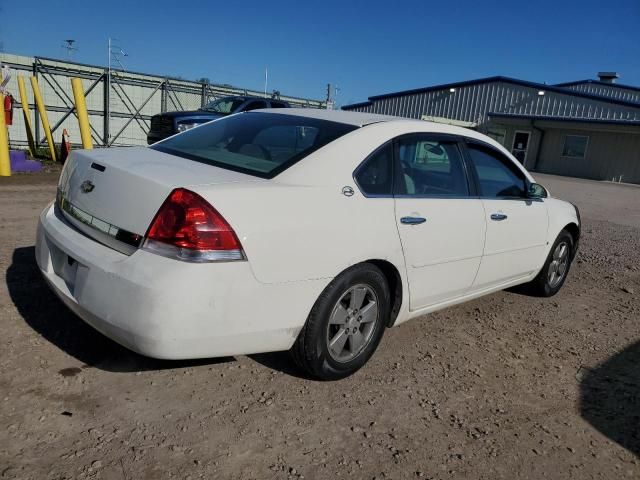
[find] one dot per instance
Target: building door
(520, 145)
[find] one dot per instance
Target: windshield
(260, 144)
(224, 105)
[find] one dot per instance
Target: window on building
(498, 176)
(498, 134)
(575, 146)
(430, 167)
(374, 176)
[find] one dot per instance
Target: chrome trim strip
(193, 256)
(453, 197)
(103, 232)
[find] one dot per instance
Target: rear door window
(430, 167)
(375, 175)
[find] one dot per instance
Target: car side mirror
(537, 191)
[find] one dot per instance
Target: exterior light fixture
(452, 90)
(541, 92)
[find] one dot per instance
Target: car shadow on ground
(281, 362)
(610, 398)
(48, 316)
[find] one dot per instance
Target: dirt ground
(507, 386)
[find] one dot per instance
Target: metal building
(589, 128)
(120, 105)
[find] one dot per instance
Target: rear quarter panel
(302, 232)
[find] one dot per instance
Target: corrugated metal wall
(609, 156)
(610, 91)
(128, 94)
(472, 103)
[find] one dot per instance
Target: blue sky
(366, 48)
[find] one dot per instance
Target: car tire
(345, 325)
(556, 268)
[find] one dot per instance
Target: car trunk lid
(115, 193)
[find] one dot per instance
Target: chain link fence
(120, 105)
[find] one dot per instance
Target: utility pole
(266, 78)
(107, 100)
(68, 45)
(330, 101)
(114, 52)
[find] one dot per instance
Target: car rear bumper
(165, 308)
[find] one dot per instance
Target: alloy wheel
(559, 264)
(352, 323)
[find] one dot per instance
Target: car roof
(358, 119)
(361, 119)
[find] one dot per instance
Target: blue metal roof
(355, 105)
(498, 78)
(564, 119)
(598, 82)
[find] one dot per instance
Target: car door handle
(412, 220)
(498, 217)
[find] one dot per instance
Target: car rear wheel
(556, 268)
(345, 325)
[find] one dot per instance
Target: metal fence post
(26, 114)
(36, 113)
(81, 110)
(106, 113)
(37, 96)
(163, 97)
(5, 156)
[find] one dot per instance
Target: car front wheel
(554, 272)
(345, 325)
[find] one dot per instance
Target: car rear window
(260, 144)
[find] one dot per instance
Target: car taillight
(188, 228)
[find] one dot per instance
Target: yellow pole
(43, 117)
(81, 110)
(5, 163)
(27, 114)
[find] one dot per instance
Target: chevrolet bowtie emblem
(87, 186)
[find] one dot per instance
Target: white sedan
(304, 230)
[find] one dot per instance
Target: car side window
(430, 167)
(498, 176)
(255, 105)
(375, 175)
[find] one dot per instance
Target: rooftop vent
(608, 77)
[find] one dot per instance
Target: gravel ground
(507, 386)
